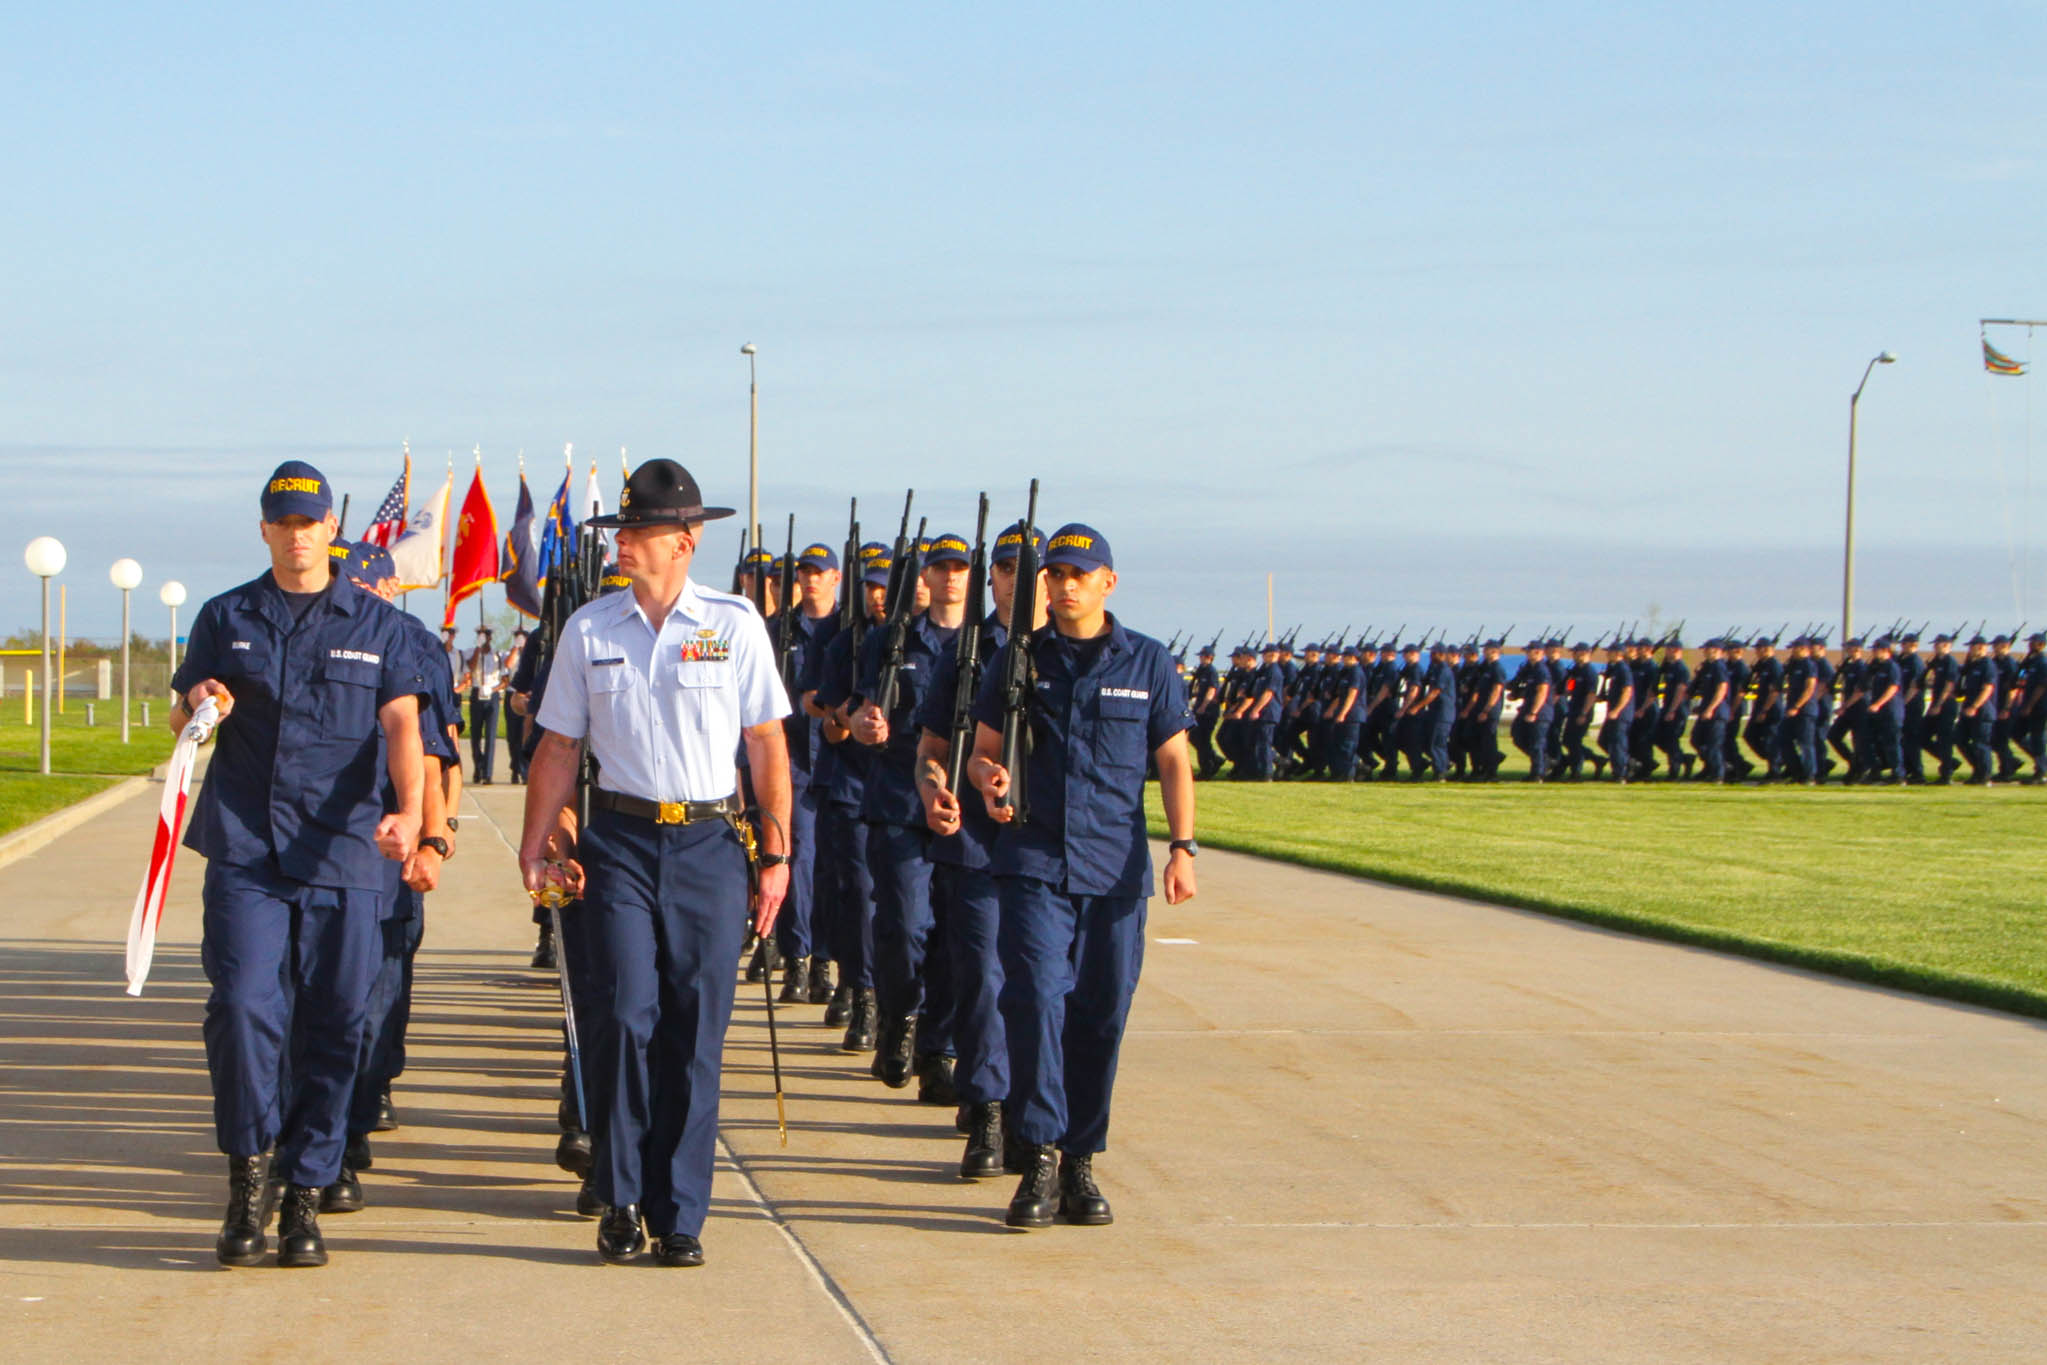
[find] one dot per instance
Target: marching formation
(919, 800)
(1732, 710)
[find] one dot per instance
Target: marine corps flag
(475, 562)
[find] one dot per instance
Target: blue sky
(1479, 314)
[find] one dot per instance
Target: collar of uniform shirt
(689, 603)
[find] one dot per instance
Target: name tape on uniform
(355, 656)
(1128, 693)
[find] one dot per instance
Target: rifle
(1214, 642)
(967, 659)
(1018, 672)
(851, 609)
(902, 602)
(785, 631)
(1172, 645)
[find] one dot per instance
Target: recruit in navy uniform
(318, 690)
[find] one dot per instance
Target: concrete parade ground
(1352, 1123)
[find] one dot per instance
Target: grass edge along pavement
(1351, 850)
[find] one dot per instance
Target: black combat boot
(343, 1196)
(984, 1143)
(840, 1008)
(1037, 1195)
(241, 1240)
(588, 1205)
(766, 958)
(387, 1117)
(298, 1229)
(620, 1236)
(1080, 1203)
(795, 981)
(821, 992)
(543, 950)
(860, 1031)
(572, 1152)
(356, 1155)
(894, 1053)
(934, 1080)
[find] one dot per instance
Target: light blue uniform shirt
(663, 707)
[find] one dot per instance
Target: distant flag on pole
(1997, 362)
(593, 504)
(476, 546)
(419, 554)
(387, 523)
(558, 533)
(522, 556)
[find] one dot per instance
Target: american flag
(389, 521)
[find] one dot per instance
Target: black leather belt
(666, 812)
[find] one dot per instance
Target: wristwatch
(1193, 849)
(437, 844)
(773, 859)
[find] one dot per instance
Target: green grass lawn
(83, 760)
(1930, 889)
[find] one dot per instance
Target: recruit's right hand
(870, 727)
(941, 808)
(993, 781)
(224, 700)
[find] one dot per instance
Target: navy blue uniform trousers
(664, 914)
(796, 927)
(381, 1059)
(844, 889)
(291, 967)
(972, 911)
(1069, 969)
(912, 965)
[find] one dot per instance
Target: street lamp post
(172, 595)
(45, 559)
(1848, 537)
(753, 445)
(126, 575)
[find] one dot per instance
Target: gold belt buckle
(672, 813)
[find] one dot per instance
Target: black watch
(1193, 849)
(437, 844)
(773, 859)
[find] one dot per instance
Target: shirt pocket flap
(359, 672)
(611, 678)
(244, 662)
(703, 672)
(1125, 708)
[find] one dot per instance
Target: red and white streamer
(169, 816)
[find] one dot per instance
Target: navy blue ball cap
(1009, 544)
(1978, 640)
(1081, 546)
(757, 559)
(363, 563)
(296, 489)
(613, 580)
(949, 548)
(1581, 648)
(875, 570)
(873, 550)
(818, 556)
(2000, 639)
(1205, 652)
(1943, 639)
(660, 492)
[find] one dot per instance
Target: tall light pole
(1848, 538)
(45, 559)
(127, 576)
(753, 445)
(172, 595)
